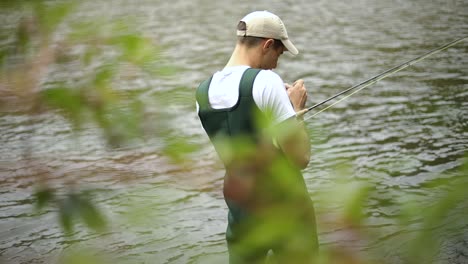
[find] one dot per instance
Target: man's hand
(297, 94)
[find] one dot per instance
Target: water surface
(402, 135)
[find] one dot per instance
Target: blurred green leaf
(23, 34)
(75, 206)
(86, 31)
(137, 49)
(161, 69)
(88, 55)
(121, 123)
(3, 56)
(178, 147)
(50, 15)
(357, 195)
(409, 206)
(67, 100)
(15, 3)
(104, 76)
(85, 255)
(432, 219)
(90, 215)
(43, 195)
(67, 212)
(274, 229)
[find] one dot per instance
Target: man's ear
(268, 44)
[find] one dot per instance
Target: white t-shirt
(268, 92)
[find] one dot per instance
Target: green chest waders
(234, 122)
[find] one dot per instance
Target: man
(249, 113)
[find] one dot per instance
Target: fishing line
(375, 79)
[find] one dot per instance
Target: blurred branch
(71, 205)
(79, 75)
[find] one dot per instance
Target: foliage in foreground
(113, 52)
(42, 71)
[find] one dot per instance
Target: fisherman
(249, 114)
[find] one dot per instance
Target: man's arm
(294, 141)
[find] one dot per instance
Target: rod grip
(302, 112)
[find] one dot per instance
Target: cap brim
(289, 46)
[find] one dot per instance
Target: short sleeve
(269, 93)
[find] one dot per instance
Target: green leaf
(86, 254)
(23, 34)
(44, 195)
(67, 100)
(161, 70)
(67, 211)
(78, 205)
(357, 195)
(104, 76)
(90, 214)
(137, 49)
(50, 16)
(178, 147)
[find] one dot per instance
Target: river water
(406, 135)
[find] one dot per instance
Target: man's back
(268, 92)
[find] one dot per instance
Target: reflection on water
(401, 134)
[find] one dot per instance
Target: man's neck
(243, 56)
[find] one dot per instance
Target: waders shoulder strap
(202, 94)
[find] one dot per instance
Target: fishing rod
(375, 79)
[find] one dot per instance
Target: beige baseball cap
(267, 25)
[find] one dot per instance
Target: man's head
(265, 25)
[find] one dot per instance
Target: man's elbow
(298, 153)
(303, 161)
